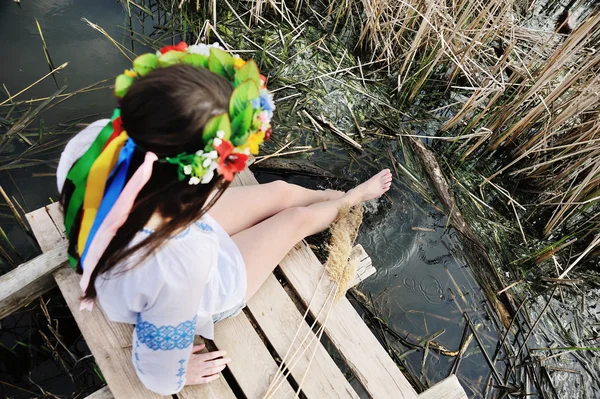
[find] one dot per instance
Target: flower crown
(229, 137)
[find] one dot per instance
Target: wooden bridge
(257, 340)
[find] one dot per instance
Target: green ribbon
(79, 173)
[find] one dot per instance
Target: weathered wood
(217, 389)
(57, 217)
(365, 267)
(102, 393)
(25, 283)
(30, 280)
(277, 165)
(449, 388)
(45, 229)
(365, 356)
(371, 364)
(279, 319)
(252, 365)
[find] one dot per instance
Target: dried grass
(535, 91)
(341, 264)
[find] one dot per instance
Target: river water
(422, 285)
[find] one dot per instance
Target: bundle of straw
(342, 263)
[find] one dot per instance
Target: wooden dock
(257, 339)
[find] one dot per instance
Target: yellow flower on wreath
(238, 62)
(254, 141)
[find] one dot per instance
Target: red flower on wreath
(263, 81)
(181, 46)
(229, 162)
(268, 133)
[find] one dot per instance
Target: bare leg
(242, 207)
(264, 245)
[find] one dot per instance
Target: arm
(167, 299)
(162, 345)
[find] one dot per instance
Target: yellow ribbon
(96, 182)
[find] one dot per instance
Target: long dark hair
(163, 112)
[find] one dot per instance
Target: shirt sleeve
(164, 333)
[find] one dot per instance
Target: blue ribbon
(115, 183)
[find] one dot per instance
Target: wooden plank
(57, 217)
(251, 363)
(449, 388)
(102, 393)
(25, 283)
(30, 280)
(217, 389)
(278, 318)
(365, 267)
(44, 228)
(371, 364)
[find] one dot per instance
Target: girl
(160, 239)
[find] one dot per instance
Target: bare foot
(375, 187)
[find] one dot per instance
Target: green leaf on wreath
(197, 60)
(242, 122)
(215, 124)
(170, 58)
(241, 95)
(241, 140)
(248, 71)
(221, 63)
(122, 85)
(145, 63)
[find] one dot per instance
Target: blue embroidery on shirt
(204, 227)
(166, 338)
(180, 373)
(137, 357)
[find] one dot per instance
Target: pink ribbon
(113, 221)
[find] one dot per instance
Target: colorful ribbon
(113, 221)
(117, 180)
(79, 173)
(94, 192)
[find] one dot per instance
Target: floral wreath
(230, 137)
(104, 184)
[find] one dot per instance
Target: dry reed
(341, 263)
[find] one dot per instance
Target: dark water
(91, 57)
(422, 285)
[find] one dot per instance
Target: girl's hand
(205, 367)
